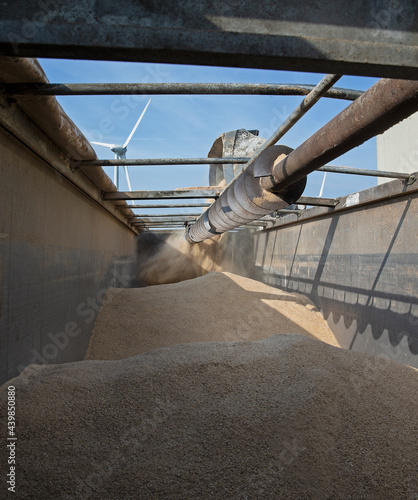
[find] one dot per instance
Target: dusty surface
(215, 307)
(286, 417)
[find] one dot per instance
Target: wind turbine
(120, 151)
(322, 186)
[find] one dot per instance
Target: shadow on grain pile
(216, 307)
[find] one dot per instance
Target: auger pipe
(243, 201)
(280, 179)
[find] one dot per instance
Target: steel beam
(159, 161)
(362, 37)
(136, 216)
(163, 220)
(230, 160)
(156, 222)
(315, 202)
(72, 89)
(363, 171)
(166, 223)
(287, 211)
(163, 226)
(164, 195)
(181, 224)
(180, 205)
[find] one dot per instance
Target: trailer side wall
(358, 266)
(59, 252)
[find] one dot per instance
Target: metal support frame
(164, 215)
(159, 161)
(363, 171)
(316, 202)
(73, 89)
(360, 37)
(231, 160)
(287, 211)
(163, 220)
(169, 225)
(209, 192)
(275, 178)
(275, 183)
(179, 205)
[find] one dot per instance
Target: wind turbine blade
(128, 181)
(127, 178)
(323, 184)
(115, 177)
(136, 125)
(104, 144)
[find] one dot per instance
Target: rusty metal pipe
(243, 200)
(271, 183)
(382, 106)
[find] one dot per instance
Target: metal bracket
(410, 180)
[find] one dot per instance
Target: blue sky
(186, 126)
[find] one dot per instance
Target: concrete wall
(358, 265)
(59, 251)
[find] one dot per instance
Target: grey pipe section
(241, 202)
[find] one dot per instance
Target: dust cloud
(173, 260)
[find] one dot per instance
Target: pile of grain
(215, 307)
(285, 417)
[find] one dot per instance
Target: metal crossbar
(74, 89)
